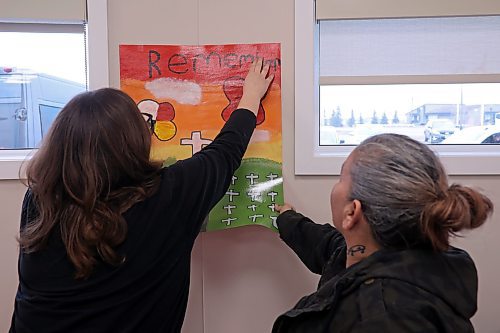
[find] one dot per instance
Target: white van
(29, 103)
(497, 119)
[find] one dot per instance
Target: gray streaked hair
(405, 197)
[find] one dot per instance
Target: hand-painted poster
(190, 91)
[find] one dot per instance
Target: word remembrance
(191, 91)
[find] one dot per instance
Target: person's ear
(353, 213)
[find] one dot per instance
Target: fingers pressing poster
(190, 92)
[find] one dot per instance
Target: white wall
(11, 196)
(242, 279)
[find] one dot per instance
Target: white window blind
(43, 11)
(431, 48)
(360, 9)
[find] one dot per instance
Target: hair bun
(459, 208)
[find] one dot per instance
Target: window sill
(12, 163)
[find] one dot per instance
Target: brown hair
(405, 196)
(458, 208)
(92, 166)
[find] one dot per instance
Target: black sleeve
(313, 243)
(202, 180)
(28, 210)
(403, 320)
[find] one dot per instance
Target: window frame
(313, 159)
(11, 161)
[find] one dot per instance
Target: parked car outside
(475, 135)
(436, 130)
(29, 103)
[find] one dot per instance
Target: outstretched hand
(283, 208)
(256, 85)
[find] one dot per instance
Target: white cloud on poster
(183, 92)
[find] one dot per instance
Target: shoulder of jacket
(377, 296)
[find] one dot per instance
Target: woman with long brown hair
(387, 264)
(106, 234)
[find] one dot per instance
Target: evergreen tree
(395, 119)
(352, 121)
(337, 118)
(361, 120)
(374, 117)
(384, 119)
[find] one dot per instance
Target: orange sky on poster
(203, 112)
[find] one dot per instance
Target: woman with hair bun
(388, 265)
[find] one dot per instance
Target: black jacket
(390, 291)
(149, 291)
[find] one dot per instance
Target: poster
(190, 91)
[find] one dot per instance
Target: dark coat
(390, 291)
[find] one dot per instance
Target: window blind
(414, 50)
(46, 11)
(358, 9)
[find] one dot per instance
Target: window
(45, 61)
(430, 113)
(41, 63)
(360, 76)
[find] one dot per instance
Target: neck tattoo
(356, 248)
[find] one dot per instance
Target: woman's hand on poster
(283, 208)
(256, 85)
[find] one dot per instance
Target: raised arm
(313, 243)
(202, 180)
